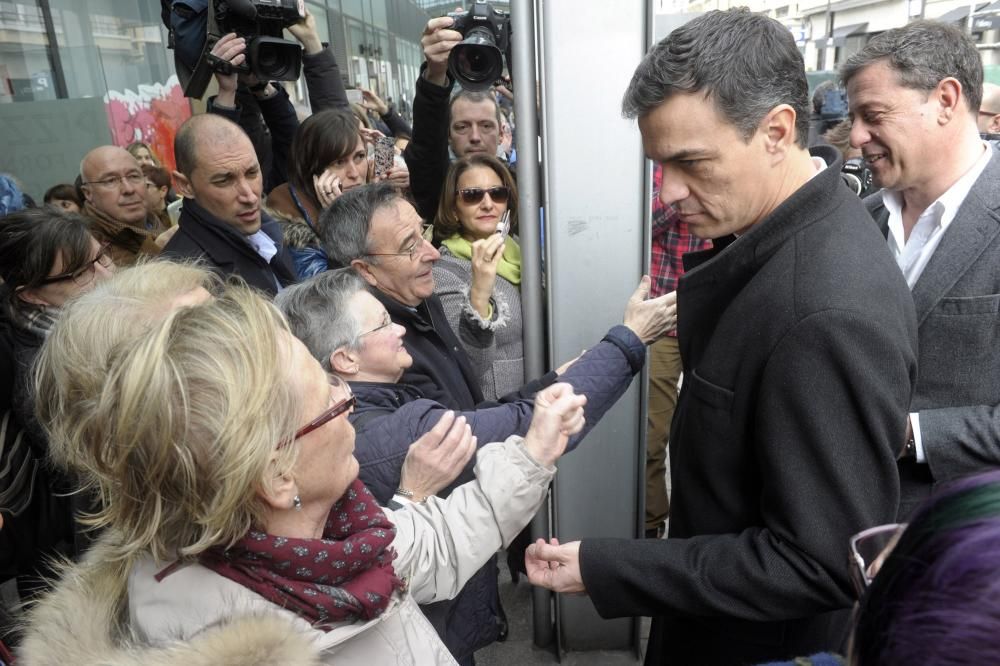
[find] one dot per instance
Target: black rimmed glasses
(869, 550)
(386, 322)
(330, 414)
(474, 195)
(110, 183)
(84, 276)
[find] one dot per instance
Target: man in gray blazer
(914, 95)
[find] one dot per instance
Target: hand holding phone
(503, 226)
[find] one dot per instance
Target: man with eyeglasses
(988, 119)
(378, 233)
(115, 191)
(221, 222)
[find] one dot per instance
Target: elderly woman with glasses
(236, 529)
(47, 257)
(478, 277)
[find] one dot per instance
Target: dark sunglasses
(474, 195)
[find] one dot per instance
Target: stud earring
(297, 503)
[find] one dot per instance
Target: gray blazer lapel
(974, 226)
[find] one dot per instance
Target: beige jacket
(100, 613)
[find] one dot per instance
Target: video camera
(196, 25)
(477, 63)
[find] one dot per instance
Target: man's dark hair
(923, 53)
(746, 63)
(345, 224)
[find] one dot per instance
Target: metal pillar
(596, 220)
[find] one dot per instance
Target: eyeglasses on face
(386, 322)
(330, 414)
(868, 552)
(409, 252)
(134, 179)
(474, 195)
(84, 276)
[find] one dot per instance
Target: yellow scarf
(509, 267)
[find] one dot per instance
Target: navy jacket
(441, 370)
(390, 417)
(226, 251)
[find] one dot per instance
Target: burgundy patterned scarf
(346, 575)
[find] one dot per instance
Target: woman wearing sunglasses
(47, 257)
(478, 277)
(236, 528)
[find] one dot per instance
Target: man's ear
(345, 362)
(994, 127)
(779, 130)
(88, 193)
(364, 270)
(183, 185)
(279, 494)
(948, 94)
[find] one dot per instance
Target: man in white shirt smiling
(914, 95)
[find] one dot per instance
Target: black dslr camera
(196, 25)
(478, 61)
(858, 177)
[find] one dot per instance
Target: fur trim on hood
(84, 621)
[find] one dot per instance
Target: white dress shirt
(914, 253)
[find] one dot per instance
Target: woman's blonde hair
(173, 416)
(447, 223)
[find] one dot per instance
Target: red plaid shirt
(671, 241)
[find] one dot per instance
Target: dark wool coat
(799, 347)
(226, 251)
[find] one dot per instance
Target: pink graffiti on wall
(151, 115)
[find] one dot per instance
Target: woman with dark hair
(329, 156)
(47, 257)
(63, 196)
(478, 277)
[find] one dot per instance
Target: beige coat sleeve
(442, 542)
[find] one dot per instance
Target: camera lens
(274, 59)
(476, 63)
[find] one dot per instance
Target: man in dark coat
(798, 344)
(915, 95)
(221, 222)
(378, 233)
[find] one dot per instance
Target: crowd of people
(271, 406)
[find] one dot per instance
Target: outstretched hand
(558, 416)
(650, 318)
(555, 567)
(438, 457)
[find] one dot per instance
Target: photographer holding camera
(468, 122)
(244, 52)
